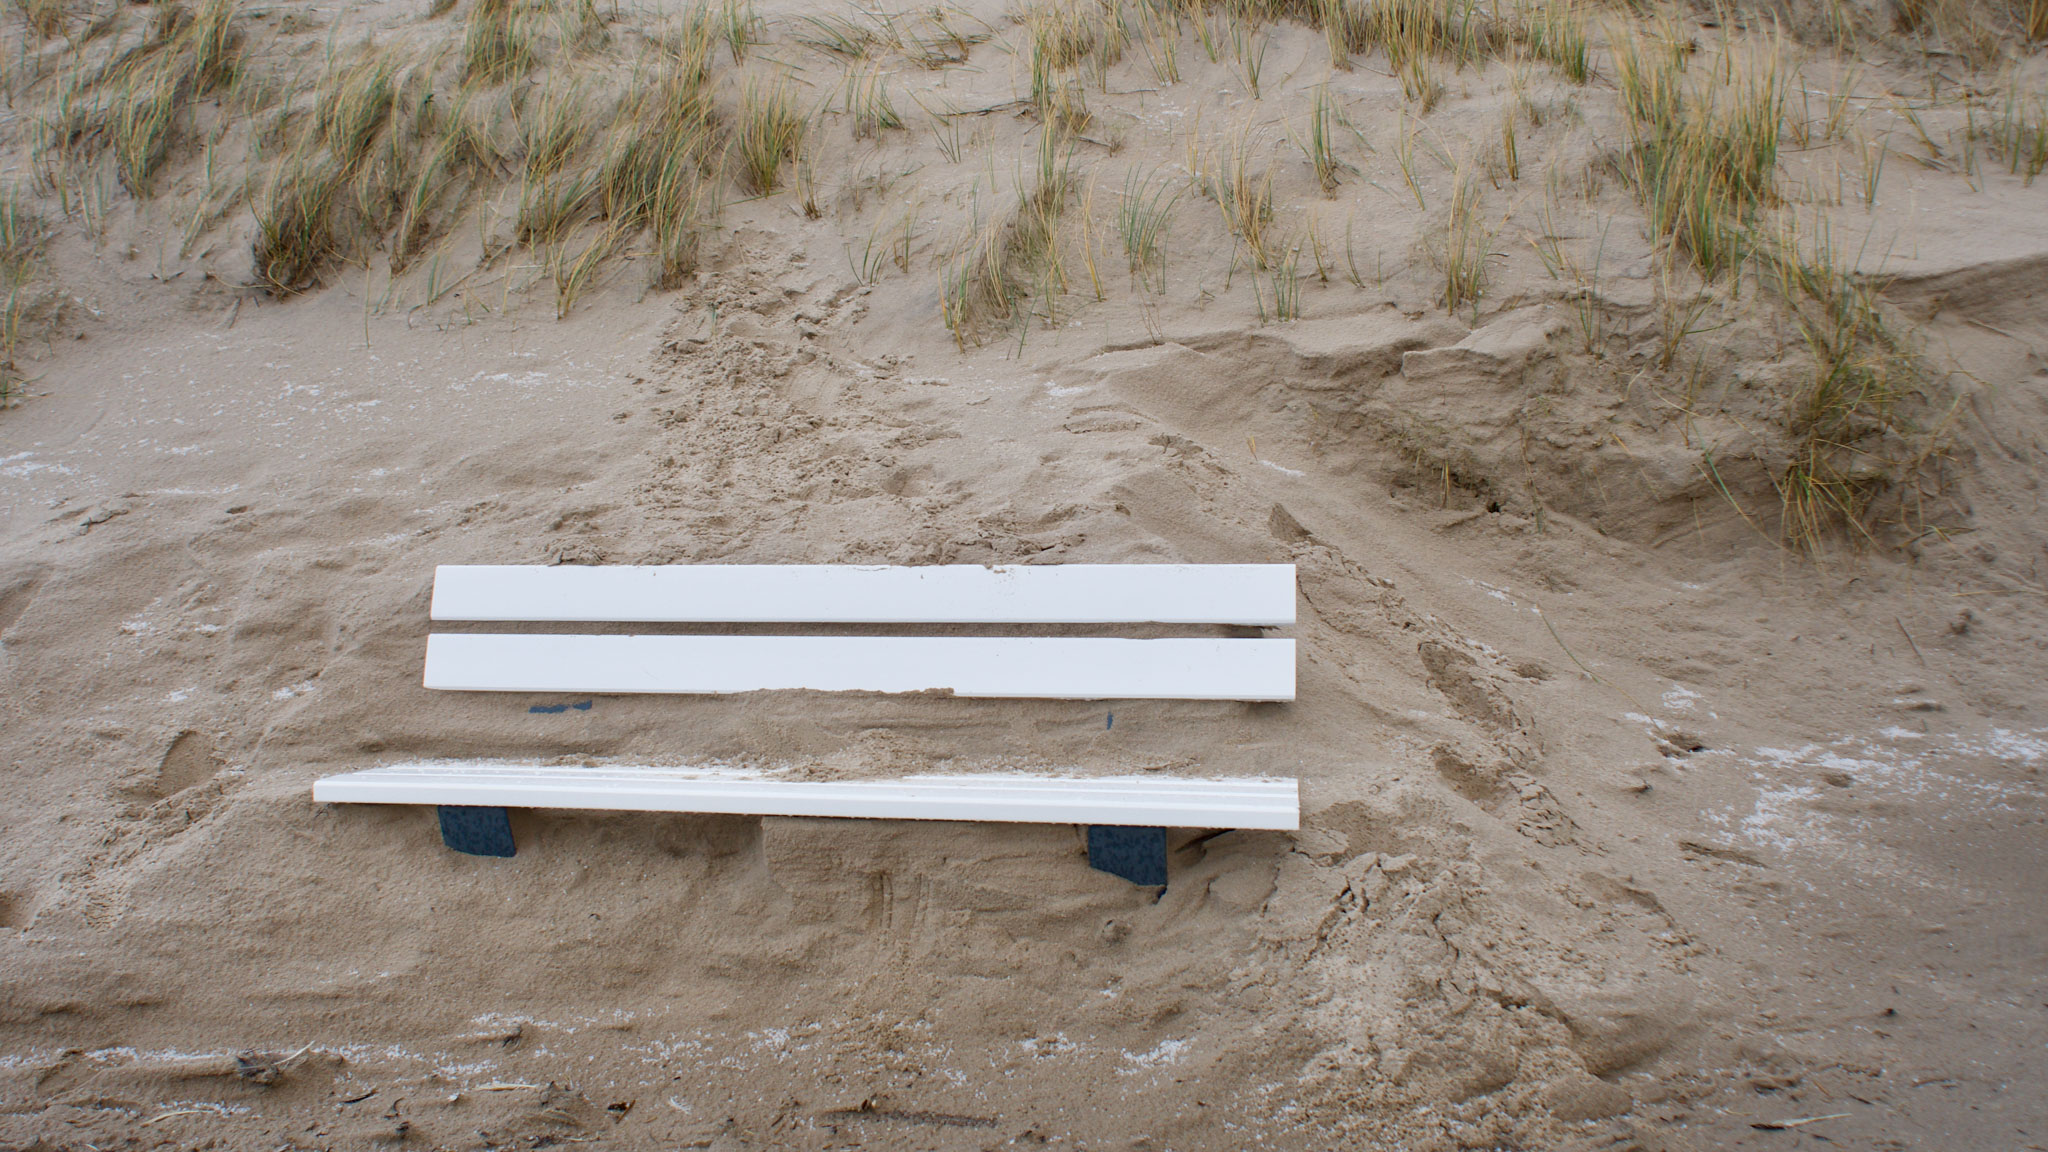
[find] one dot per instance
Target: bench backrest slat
(1253, 594)
(1052, 668)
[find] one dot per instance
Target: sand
(1624, 825)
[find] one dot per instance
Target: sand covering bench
(1126, 816)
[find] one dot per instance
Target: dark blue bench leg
(1136, 854)
(477, 831)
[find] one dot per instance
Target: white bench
(1126, 816)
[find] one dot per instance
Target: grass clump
(929, 39)
(46, 18)
(685, 205)
(1853, 444)
(1324, 116)
(1007, 258)
(2019, 134)
(1462, 249)
(868, 102)
(1287, 287)
(144, 113)
(1348, 29)
(1703, 157)
(353, 105)
(1063, 33)
(1062, 36)
(336, 151)
(22, 234)
(214, 42)
(496, 47)
(667, 119)
(1419, 83)
(768, 131)
(740, 26)
(573, 275)
(1142, 219)
(1245, 198)
(552, 199)
(1034, 239)
(132, 106)
(1557, 35)
(1976, 30)
(295, 222)
(1416, 30)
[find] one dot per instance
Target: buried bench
(1126, 817)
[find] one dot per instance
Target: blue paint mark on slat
(557, 709)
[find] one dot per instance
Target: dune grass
(768, 131)
(399, 151)
(1704, 154)
(1287, 286)
(2019, 133)
(131, 107)
(865, 97)
(496, 45)
(354, 102)
(142, 117)
(1144, 214)
(685, 206)
(1243, 196)
(740, 27)
(667, 113)
(1556, 33)
(1062, 36)
(1007, 259)
(552, 133)
(22, 235)
(1852, 441)
(1319, 141)
(1161, 28)
(295, 221)
(1461, 250)
(1458, 31)
(46, 19)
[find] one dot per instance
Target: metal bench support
(1136, 854)
(475, 830)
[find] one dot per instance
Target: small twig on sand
(179, 1112)
(1909, 641)
(1597, 678)
(1803, 1121)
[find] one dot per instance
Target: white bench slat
(1258, 594)
(1138, 801)
(1058, 668)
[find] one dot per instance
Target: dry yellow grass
(485, 134)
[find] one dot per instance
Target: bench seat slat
(1065, 668)
(1242, 803)
(1256, 594)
